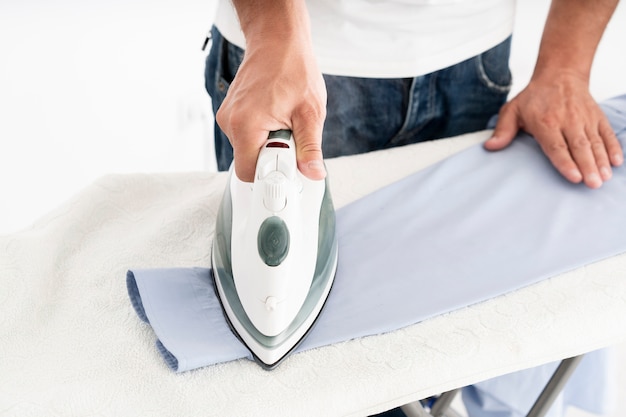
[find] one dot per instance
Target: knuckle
(309, 147)
(233, 119)
(221, 117)
(607, 134)
(597, 146)
(309, 112)
(549, 121)
(555, 147)
(579, 142)
(225, 115)
(614, 147)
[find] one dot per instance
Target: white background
(89, 87)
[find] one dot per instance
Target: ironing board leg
(414, 409)
(439, 408)
(539, 409)
(443, 403)
(554, 386)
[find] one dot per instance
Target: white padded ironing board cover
(469, 228)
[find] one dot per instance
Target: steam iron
(274, 253)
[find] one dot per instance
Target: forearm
(277, 86)
(273, 20)
(571, 36)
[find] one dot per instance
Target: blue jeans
(367, 114)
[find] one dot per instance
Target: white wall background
(89, 87)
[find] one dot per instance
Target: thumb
(505, 130)
(308, 138)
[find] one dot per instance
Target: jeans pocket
(221, 66)
(493, 67)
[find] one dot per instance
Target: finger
(245, 136)
(581, 151)
(245, 157)
(611, 143)
(307, 132)
(506, 128)
(555, 147)
(600, 155)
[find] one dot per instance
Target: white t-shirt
(394, 38)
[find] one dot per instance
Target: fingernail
(618, 158)
(594, 180)
(316, 165)
(576, 175)
(605, 173)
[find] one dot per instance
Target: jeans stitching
(413, 112)
(485, 78)
(432, 95)
(408, 115)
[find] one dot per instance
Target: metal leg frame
(554, 386)
(441, 407)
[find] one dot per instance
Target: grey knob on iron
(275, 197)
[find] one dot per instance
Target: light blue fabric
(181, 307)
(467, 229)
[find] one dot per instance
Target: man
(280, 85)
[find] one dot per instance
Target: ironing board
(70, 343)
